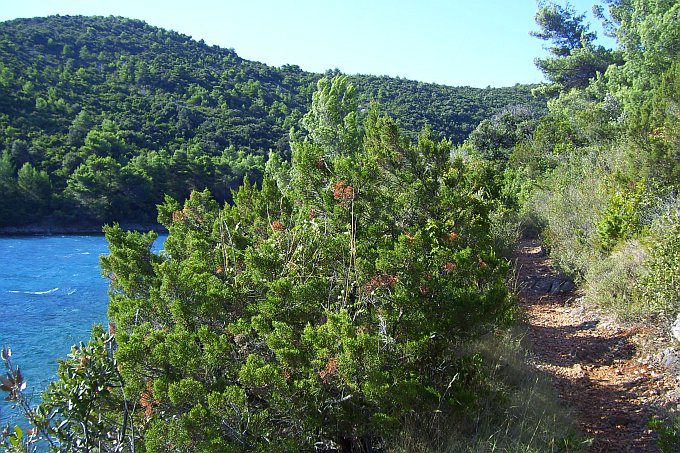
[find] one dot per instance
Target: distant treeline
(102, 117)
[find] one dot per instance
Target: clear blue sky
(450, 42)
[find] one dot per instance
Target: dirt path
(594, 363)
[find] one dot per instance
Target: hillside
(100, 117)
(364, 296)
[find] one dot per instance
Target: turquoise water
(51, 292)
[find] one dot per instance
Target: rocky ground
(606, 372)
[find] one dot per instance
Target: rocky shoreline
(75, 229)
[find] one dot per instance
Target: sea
(51, 293)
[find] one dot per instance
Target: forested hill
(100, 117)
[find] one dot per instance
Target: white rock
(675, 328)
(669, 358)
(578, 311)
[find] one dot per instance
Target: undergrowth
(519, 412)
(668, 434)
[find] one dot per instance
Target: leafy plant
(668, 432)
(621, 219)
(85, 408)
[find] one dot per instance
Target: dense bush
(568, 201)
(660, 285)
(610, 282)
(321, 310)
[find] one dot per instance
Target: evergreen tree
(574, 58)
(325, 314)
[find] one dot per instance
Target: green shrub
(668, 432)
(568, 202)
(506, 228)
(660, 285)
(611, 282)
(328, 307)
(621, 219)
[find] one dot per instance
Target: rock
(578, 370)
(561, 285)
(589, 325)
(541, 284)
(551, 285)
(577, 312)
(673, 395)
(675, 328)
(670, 359)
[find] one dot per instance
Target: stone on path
(675, 328)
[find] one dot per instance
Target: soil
(601, 369)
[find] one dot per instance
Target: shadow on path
(592, 365)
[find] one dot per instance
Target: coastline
(68, 230)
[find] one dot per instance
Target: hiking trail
(595, 364)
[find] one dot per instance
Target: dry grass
(612, 283)
(520, 413)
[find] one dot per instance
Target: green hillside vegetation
(328, 309)
(599, 174)
(102, 117)
(355, 298)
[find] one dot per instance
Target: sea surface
(51, 293)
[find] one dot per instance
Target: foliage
(657, 128)
(563, 27)
(610, 282)
(26, 192)
(519, 412)
(495, 137)
(451, 112)
(568, 201)
(325, 311)
(648, 35)
(603, 162)
(321, 310)
(575, 59)
(669, 434)
(86, 405)
(621, 218)
(84, 409)
(647, 84)
(660, 286)
(117, 114)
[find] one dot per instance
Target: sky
(475, 43)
